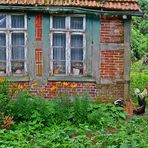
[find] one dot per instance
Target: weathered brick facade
(111, 84)
(112, 30)
(96, 91)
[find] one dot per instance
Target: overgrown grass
(67, 123)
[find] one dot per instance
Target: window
(12, 44)
(67, 45)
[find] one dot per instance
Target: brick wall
(111, 67)
(112, 30)
(112, 64)
(96, 91)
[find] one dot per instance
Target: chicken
(141, 95)
(141, 101)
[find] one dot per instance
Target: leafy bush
(62, 107)
(80, 108)
(4, 96)
(27, 107)
(106, 115)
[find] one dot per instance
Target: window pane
(2, 68)
(2, 47)
(18, 53)
(2, 21)
(77, 68)
(76, 23)
(17, 67)
(17, 46)
(77, 40)
(77, 54)
(59, 44)
(77, 47)
(17, 21)
(59, 22)
(2, 54)
(59, 67)
(18, 39)
(2, 39)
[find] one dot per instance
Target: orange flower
(58, 82)
(20, 86)
(65, 83)
(53, 88)
(34, 84)
(42, 90)
(1, 79)
(73, 85)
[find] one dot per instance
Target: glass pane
(18, 39)
(2, 68)
(77, 68)
(2, 47)
(59, 22)
(18, 53)
(17, 67)
(59, 45)
(17, 21)
(2, 53)
(2, 39)
(77, 40)
(58, 53)
(59, 67)
(77, 47)
(2, 21)
(77, 54)
(76, 23)
(17, 46)
(59, 42)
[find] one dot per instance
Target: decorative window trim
(38, 27)
(8, 31)
(68, 31)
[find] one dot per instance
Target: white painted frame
(68, 31)
(8, 31)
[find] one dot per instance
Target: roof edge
(60, 9)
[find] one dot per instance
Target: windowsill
(18, 78)
(71, 79)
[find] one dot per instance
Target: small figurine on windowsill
(141, 101)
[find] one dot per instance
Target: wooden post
(127, 56)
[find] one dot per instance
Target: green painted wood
(127, 55)
(68, 10)
(46, 46)
(18, 78)
(30, 45)
(92, 45)
(71, 79)
(96, 47)
(89, 44)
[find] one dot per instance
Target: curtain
(2, 47)
(59, 22)
(76, 23)
(2, 21)
(77, 47)
(17, 21)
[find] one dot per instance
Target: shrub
(80, 108)
(27, 107)
(4, 96)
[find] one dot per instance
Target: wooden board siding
(39, 61)
(38, 27)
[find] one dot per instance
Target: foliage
(139, 77)
(76, 122)
(4, 96)
(140, 33)
(80, 109)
